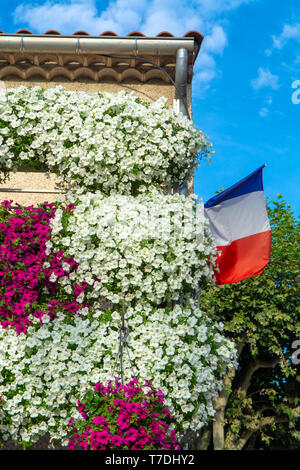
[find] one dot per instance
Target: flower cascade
(46, 371)
(119, 235)
(113, 143)
(151, 248)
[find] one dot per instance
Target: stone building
(151, 67)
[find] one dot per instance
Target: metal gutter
(135, 46)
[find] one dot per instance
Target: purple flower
(23, 236)
(117, 441)
(129, 420)
(99, 421)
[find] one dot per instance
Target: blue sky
(242, 87)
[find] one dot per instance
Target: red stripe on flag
(245, 257)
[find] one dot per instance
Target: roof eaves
(198, 37)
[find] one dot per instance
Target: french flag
(241, 230)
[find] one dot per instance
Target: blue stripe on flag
(249, 184)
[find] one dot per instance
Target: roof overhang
(26, 54)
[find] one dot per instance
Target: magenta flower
(117, 441)
(23, 277)
(123, 422)
(131, 435)
(122, 417)
(100, 421)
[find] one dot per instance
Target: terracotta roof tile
(108, 33)
(195, 34)
(81, 33)
(23, 31)
(136, 33)
(52, 32)
(165, 34)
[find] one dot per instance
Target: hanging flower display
(123, 417)
(117, 235)
(45, 371)
(101, 141)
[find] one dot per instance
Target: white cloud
(121, 16)
(269, 100)
(148, 16)
(177, 17)
(204, 76)
(213, 7)
(266, 108)
(289, 31)
(70, 16)
(264, 112)
(265, 79)
(205, 70)
(216, 41)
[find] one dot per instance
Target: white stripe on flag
(238, 217)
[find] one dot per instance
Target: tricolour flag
(241, 230)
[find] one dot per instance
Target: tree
(260, 399)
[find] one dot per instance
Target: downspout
(181, 104)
